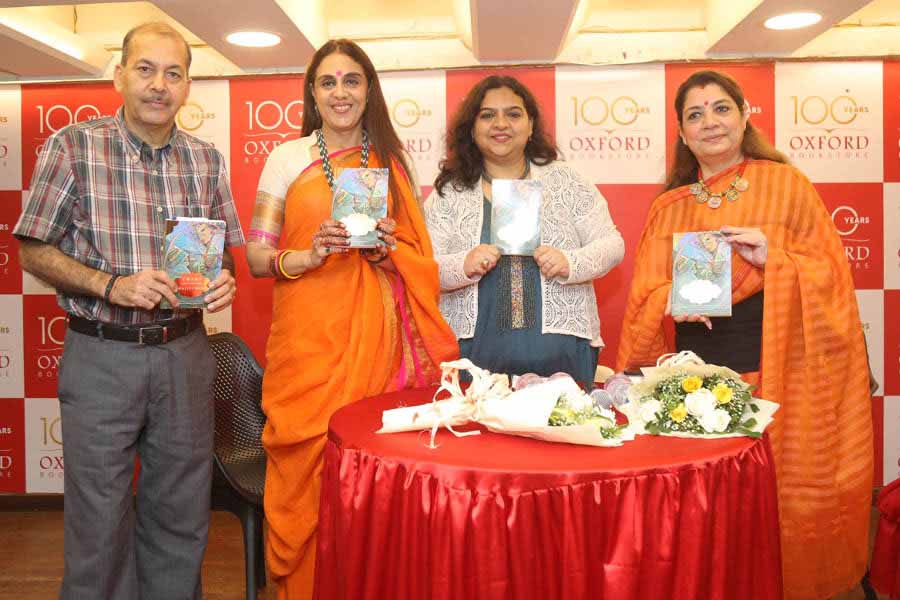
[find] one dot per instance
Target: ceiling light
(794, 20)
(253, 39)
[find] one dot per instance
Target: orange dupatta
(338, 334)
(813, 362)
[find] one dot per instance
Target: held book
(701, 274)
(516, 215)
(359, 200)
(193, 257)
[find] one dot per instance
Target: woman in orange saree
(795, 329)
(346, 323)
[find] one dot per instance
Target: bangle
(280, 263)
(109, 287)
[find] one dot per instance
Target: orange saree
(813, 362)
(341, 332)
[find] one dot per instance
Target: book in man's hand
(193, 250)
(516, 215)
(701, 274)
(359, 200)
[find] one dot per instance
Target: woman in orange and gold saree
(346, 323)
(794, 330)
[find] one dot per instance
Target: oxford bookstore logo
(7, 458)
(406, 114)
(192, 116)
(270, 124)
(6, 462)
(6, 356)
(58, 116)
(49, 350)
(50, 460)
(828, 127)
(608, 127)
(857, 246)
(5, 250)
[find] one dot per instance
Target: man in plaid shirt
(135, 379)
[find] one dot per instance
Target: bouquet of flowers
(457, 409)
(696, 400)
(554, 410)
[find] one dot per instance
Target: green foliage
(670, 393)
(582, 411)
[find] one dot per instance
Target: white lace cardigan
(574, 218)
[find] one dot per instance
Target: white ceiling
(56, 39)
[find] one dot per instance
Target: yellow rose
(678, 413)
(722, 393)
(691, 384)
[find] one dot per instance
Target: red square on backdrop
(541, 81)
(857, 210)
(12, 446)
(48, 108)
(757, 81)
(44, 331)
(628, 207)
(891, 111)
(10, 271)
(265, 113)
(878, 439)
(891, 343)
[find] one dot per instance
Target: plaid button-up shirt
(102, 196)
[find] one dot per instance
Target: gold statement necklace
(703, 196)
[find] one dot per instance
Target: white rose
(715, 421)
(649, 409)
(700, 403)
(359, 223)
(608, 414)
(579, 402)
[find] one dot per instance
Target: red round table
(497, 517)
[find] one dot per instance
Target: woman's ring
(485, 263)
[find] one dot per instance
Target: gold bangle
(281, 265)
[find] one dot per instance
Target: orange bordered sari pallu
(813, 361)
(341, 332)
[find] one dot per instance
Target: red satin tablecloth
(497, 517)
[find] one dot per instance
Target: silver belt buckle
(153, 335)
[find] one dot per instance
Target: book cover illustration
(701, 274)
(360, 199)
(193, 257)
(516, 215)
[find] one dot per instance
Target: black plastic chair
(239, 470)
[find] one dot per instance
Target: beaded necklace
(326, 164)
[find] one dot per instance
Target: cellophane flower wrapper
(760, 411)
(526, 413)
(489, 401)
(459, 408)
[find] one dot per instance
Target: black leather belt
(151, 334)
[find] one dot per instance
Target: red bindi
(706, 103)
(339, 73)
